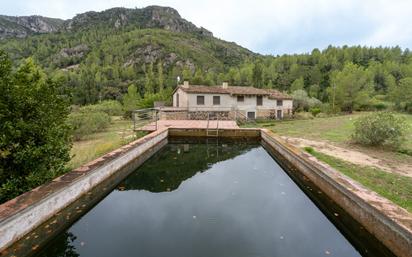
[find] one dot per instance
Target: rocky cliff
(150, 17)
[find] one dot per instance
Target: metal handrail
(150, 115)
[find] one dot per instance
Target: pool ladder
(212, 132)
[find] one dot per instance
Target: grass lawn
(394, 187)
(120, 132)
(337, 130)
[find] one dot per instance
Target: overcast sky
(265, 26)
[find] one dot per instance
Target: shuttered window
(200, 100)
(216, 100)
(259, 100)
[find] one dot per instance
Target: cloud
(267, 26)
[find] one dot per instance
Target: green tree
(131, 100)
(401, 94)
(350, 87)
(35, 140)
(160, 77)
(298, 84)
(198, 77)
(150, 84)
(257, 75)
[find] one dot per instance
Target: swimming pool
(209, 198)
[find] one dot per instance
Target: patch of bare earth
(353, 156)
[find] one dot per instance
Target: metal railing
(242, 119)
(145, 118)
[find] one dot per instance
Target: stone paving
(191, 124)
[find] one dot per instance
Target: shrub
(309, 149)
(85, 123)
(303, 116)
(302, 102)
(322, 115)
(35, 139)
(315, 111)
(379, 128)
(111, 107)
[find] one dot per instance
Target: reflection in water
(178, 162)
(193, 200)
(63, 246)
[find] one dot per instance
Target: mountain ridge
(118, 17)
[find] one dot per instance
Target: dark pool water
(204, 200)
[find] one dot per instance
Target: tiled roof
(235, 90)
(275, 94)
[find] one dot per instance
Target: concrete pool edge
(389, 223)
(24, 213)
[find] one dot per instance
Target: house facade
(248, 101)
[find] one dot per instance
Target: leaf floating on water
(282, 237)
(82, 243)
(161, 180)
(336, 214)
(327, 252)
(282, 193)
(194, 217)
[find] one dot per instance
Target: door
(279, 114)
(177, 100)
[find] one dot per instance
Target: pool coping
(389, 223)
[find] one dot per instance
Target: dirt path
(352, 156)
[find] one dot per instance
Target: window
(216, 100)
(251, 115)
(259, 100)
(200, 100)
(240, 98)
(279, 103)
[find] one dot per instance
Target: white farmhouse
(248, 101)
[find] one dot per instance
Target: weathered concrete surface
(388, 222)
(191, 124)
(228, 133)
(24, 213)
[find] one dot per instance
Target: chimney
(225, 85)
(185, 84)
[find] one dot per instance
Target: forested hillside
(98, 56)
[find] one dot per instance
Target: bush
(303, 116)
(379, 128)
(111, 107)
(322, 115)
(302, 102)
(85, 123)
(309, 149)
(35, 139)
(315, 111)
